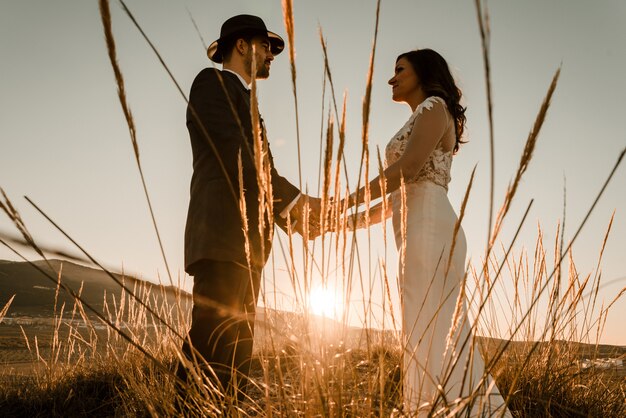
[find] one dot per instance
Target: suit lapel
(233, 79)
(246, 95)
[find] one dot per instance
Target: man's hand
(315, 209)
(307, 211)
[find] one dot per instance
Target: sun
(325, 302)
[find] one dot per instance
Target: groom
(223, 254)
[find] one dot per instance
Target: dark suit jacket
(214, 228)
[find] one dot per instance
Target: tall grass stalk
(97, 313)
(305, 365)
(91, 259)
(482, 13)
(290, 29)
(105, 14)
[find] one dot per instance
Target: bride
(442, 368)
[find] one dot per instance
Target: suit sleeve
(284, 193)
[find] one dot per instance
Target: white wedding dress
(435, 379)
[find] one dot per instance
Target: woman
(431, 259)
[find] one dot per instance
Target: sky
(64, 142)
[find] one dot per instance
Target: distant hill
(34, 297)
(583, 350)
(34, 292)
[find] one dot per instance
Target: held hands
(308, 212)
(305, 216)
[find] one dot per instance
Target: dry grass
(92, 371)
(120, 362)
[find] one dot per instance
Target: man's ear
(241, 46)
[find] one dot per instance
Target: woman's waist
(423, 196)
(420, 188)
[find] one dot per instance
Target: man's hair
(227, 45)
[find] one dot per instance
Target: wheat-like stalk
(290, 28)
(297, 377)
(526, 157)
(482, 14)
(6, 307)
(105, 14)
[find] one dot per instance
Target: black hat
(240, 24)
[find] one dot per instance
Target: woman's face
(405, 83)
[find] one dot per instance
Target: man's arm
(295, 212)
(285, 212)
(286, 196)
(298, 215)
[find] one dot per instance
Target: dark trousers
(222, 320)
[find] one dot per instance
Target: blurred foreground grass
(295, 378)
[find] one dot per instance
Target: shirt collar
(246, 85)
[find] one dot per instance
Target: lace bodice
(437, 167)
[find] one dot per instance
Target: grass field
(75, 369)
(94, 355)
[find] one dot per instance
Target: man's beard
(262, 71)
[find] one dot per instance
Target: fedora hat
(240, 24)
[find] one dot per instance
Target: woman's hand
(363, 219)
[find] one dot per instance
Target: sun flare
(325, 302)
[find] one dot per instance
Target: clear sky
(64, 142)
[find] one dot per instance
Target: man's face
(263, 56)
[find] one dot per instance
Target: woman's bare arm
(428, 129)
(376, 215)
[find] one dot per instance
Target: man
(224, 250)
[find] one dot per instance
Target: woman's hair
(434, 75)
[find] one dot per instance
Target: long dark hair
(434, 75)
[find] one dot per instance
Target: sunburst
(324, 301)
